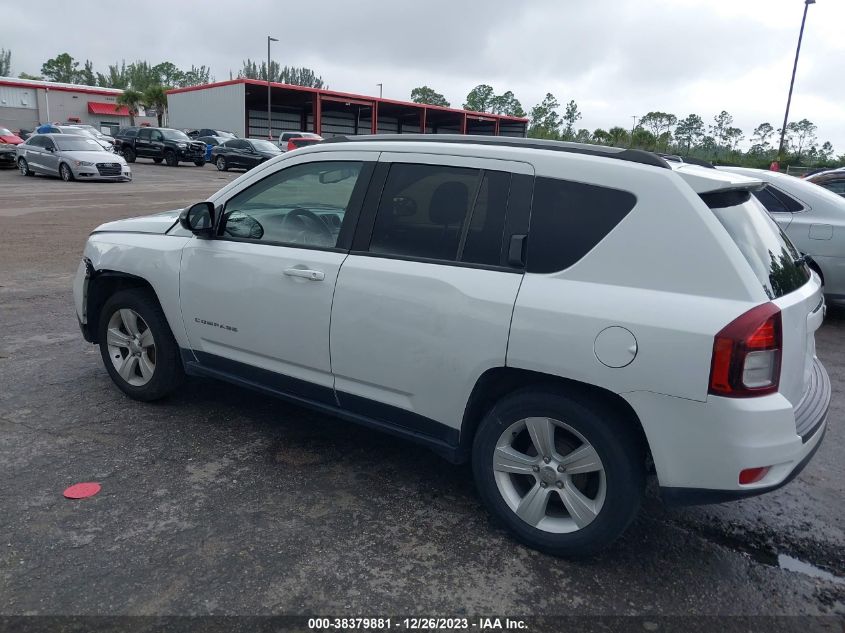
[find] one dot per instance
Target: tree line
(716, 140)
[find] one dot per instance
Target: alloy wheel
(549, 475)
(131, 347)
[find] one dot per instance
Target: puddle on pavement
(793, 564)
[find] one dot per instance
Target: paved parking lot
(223, 501)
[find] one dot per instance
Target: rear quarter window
(568, 219)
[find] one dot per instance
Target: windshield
(265, 146)
(71, 143)
(174, 135)
(772, 257)
(5, 132)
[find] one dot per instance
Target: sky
(615, 58)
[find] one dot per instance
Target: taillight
(747, 354)
(291, 145)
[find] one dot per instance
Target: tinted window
(836, 186)
(301, 205)
(445, 213)
(766, 249)
(35, 141)
(568, 219)
(775, 201)
(145, 134)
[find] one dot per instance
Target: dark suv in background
(160, 144)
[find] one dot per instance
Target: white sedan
(812, 217)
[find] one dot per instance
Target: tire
(150, 371)
(23, 167)
(157, 161)
(611, 489)
(66, 173)
(129, 154)
(221, 164)
(170, 158)
(199, 163)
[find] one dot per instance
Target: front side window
(836, 186)
(303, 205)
(444, 213)
(145, 134)
(173, 135)
(155, 135)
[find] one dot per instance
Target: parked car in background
(196, 133)
(9, 137)
(833, 180)
(398, 283)
(812, 217)
(243, 153)
(70, 157)
(52, 128)
(293, 140)
(8, 155)
(24, 133)
(159, 144)
(210, 143)
(106, 138)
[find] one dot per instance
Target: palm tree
(155, 97)
(132, 99)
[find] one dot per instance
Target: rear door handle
(311, 275)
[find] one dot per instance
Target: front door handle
(311, 275)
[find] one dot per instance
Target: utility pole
(807, 4)
(269, 111)
(380, 89)
(633, 127)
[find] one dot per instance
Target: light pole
(269, 115)
(807, 4)
(380, 89)
(633, 127)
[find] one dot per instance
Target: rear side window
(775, 201)
(767, 250)
(568, 219)
(443, 213)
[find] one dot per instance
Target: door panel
(416, 335)
(240, 303)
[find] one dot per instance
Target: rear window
(772, 257)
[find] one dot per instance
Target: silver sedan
(70, 157)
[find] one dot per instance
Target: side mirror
(199, 219)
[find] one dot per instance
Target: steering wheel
(306, 218)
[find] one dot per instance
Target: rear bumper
(699, 448)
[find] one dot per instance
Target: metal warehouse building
(24, 104)
(240, 106)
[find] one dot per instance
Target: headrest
(449, 203)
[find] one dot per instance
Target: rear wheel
(129, 154)
(137, 346)
(565, 476)
(221, 164)
(65, 172)
(23, 167)
(170, 158)
(199, 163)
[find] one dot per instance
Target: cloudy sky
(615, 58)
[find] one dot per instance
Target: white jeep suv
(567, 317)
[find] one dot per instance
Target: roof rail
(631, 155)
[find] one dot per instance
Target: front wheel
(565, 476)
(137, 346)
(65, 172)
(221, 164)
(199, 163)
(23, 167)
(171, 159)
